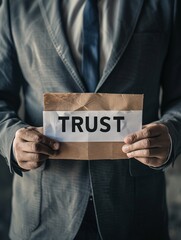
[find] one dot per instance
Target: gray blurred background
(173, 177)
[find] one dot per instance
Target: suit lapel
(129, 14)
(51, 14)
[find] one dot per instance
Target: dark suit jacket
(34, 55)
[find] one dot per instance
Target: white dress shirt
(109, 11)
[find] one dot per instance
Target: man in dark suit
(140, 52)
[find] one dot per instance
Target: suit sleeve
(171, 84)
(10, 84)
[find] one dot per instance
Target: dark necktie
(90, 48)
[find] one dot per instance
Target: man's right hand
(31, 148)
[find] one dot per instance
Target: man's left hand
(150, 146)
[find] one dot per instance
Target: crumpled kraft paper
(129, 106)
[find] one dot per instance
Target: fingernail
(125, 148)
(129, 139)
(56, 146)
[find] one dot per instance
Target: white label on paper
(91, 126)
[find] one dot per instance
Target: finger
(142, 144)
(156, 142)
(29, 134)
(35, 157)
(29, 165)
(148, 131)
(36, 147)
(146, 153)
(32, 135)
